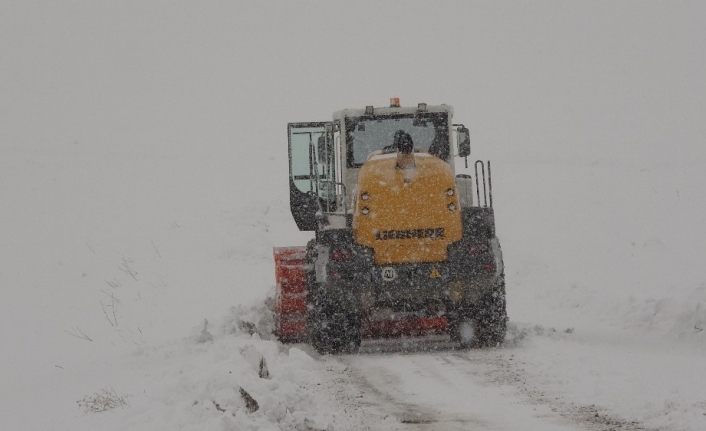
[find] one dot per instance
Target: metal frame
(487, 191)
(332, 171)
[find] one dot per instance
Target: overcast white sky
(569, 79)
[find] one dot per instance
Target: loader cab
(325, 157)
(368, 135)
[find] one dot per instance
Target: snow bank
(607, 245)
(194, 384)
(644, 378)
(681, 317)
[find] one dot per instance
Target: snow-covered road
(449, 391)
(547, 380)
(458, 390)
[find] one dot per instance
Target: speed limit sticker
(388, 273)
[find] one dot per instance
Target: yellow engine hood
(411, 215)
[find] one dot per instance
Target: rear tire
(490, 321)
(334, 330)
(333, 318)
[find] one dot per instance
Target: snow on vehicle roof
(392, 110)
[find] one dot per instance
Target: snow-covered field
(143, 185)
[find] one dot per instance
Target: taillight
(488, 267)
(477, 249)
(341, 254)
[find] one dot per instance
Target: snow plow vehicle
(402, 245)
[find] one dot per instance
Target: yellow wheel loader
(403, 246)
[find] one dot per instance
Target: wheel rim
(466, 334)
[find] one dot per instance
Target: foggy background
(144, 144)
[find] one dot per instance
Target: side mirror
(464, 142)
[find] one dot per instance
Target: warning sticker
(434, 273)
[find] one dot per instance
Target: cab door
(312, 171)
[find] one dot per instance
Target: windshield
(365, 135)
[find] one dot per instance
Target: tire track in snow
(437, 391)
(465, 390)
(447, 389)
(503, 369)
(374, 381)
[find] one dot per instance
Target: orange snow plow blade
(290, 300)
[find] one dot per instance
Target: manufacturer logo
(388, 273)
(433, 233)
